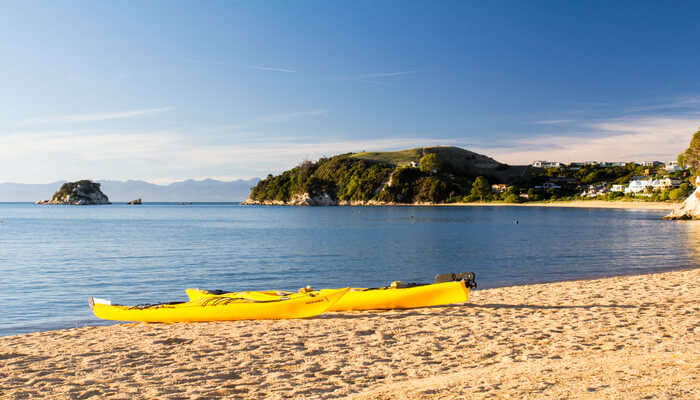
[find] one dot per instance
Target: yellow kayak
(222, 308)
(397, 295)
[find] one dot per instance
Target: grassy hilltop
(445, 174)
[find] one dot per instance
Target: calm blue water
(52, 258)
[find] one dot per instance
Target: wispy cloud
(283, 117)
(686, 103)
(274, 69)
(384, 74)
(76, 118)
(552, 121)
(161, 156)
(618, 139)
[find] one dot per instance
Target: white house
(672, 166)
(415, 164)
(649, 163)
(595, 191)
(607, 164)
(546, 164)
(618, 188)
(665, 183)
(498, 188)
(637, 186)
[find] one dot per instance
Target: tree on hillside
(481, 188)
(690, 158)
(430, 163)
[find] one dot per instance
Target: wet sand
(628, 337)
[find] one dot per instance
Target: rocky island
(84, 192)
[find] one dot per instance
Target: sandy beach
(641, 205)
(628, 337)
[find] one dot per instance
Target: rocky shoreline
(689, 209)
(308, 201)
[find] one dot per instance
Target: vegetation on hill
(78, 193)
(399, 158)
(572, 180)
(364, 177)
(450, 174)
(341, 177)
(76, 189)
(690, 158)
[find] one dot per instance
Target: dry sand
(633, 337)
(640, 205)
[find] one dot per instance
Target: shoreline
(620, 204)
(643, 205)
(99, 323)
(623, 337)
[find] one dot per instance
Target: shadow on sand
(399, 314)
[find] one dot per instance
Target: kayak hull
(222, 309)
(396, 298)
(369, 299)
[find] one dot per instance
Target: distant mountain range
(120, 191)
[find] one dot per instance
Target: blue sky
(165, 91)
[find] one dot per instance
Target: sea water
(52, 258)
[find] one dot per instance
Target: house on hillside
(672, 166)
(638, 186)
(498, 188)
(665, 183)
(608, 164)
(618, 188)
(415, 164)
(595, 191)
(546, 164)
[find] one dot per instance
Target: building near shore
(498, 188)
(672, 166)
(618, 188)
(547, 164)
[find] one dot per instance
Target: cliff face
(299, 199)
(689, 209)
(78, 193)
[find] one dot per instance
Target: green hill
(399, 158)
(384, 177)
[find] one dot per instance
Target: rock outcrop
(78, 193)
(303, 199)
(689, 209)
(323, 199)
(135, 202)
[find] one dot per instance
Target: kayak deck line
(219, 308)
(448, 288)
